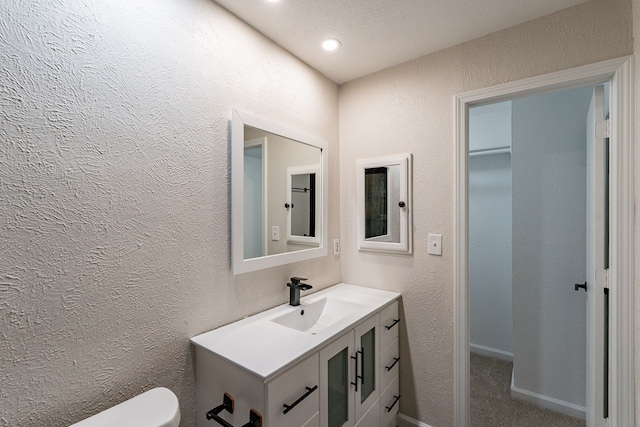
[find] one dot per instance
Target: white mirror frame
(239, 264)
(405, 245)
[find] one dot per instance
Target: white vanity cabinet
(389, 365)
(343, 376)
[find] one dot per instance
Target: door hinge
(601, 279)
(602, 129)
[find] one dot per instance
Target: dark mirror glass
(381, 203)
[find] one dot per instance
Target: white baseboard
(491, 352)
(547, 402)
(404, 421)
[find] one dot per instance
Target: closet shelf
(505, 149)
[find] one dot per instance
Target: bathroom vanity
(331, 361)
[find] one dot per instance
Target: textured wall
(409, 108)
(549, 173)
(114, 186)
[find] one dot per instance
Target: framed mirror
(384, 204)
(278, 194)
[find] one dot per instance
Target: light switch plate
(336, 246)
(435, 244)
(275, 232)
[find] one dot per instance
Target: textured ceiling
(377, 34)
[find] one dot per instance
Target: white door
(597, 219)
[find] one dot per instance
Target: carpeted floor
(491, 403)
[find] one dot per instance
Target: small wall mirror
(279, 199)
(384, 204)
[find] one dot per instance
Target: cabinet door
(372, 417)
(293, 396)
(337, 378)
(367, 372)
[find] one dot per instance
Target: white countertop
(267, 348)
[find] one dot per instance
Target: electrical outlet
(336, 246)
(435, 244)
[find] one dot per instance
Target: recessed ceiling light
(330, 44)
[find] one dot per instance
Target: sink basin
(317, 315)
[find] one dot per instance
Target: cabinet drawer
(389, 325)
(390, 403)
(313, 422)
(296, 384)
(389, 364)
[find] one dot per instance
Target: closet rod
(505, 149)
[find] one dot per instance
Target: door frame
(622, 228)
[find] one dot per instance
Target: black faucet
(294, 290)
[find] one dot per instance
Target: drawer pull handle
(395, 360)
(395, 322)
(255, 419)
(355, 359)
(310, 390)
(361, 366)
(389, 408)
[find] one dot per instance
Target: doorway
(527, 249)
(622, 232)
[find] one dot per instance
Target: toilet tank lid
(154, 408)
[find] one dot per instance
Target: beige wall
(114, 182)
(636, 50)
(115, 168)
(409, 108)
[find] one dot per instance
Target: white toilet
(154, 408)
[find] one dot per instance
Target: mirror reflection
(303, 215)
(281, 194)
(303, 205)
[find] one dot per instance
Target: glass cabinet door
(367, 372)
(367, 353)
(338, 388)
(337, 378)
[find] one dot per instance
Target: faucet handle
(296, 280)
